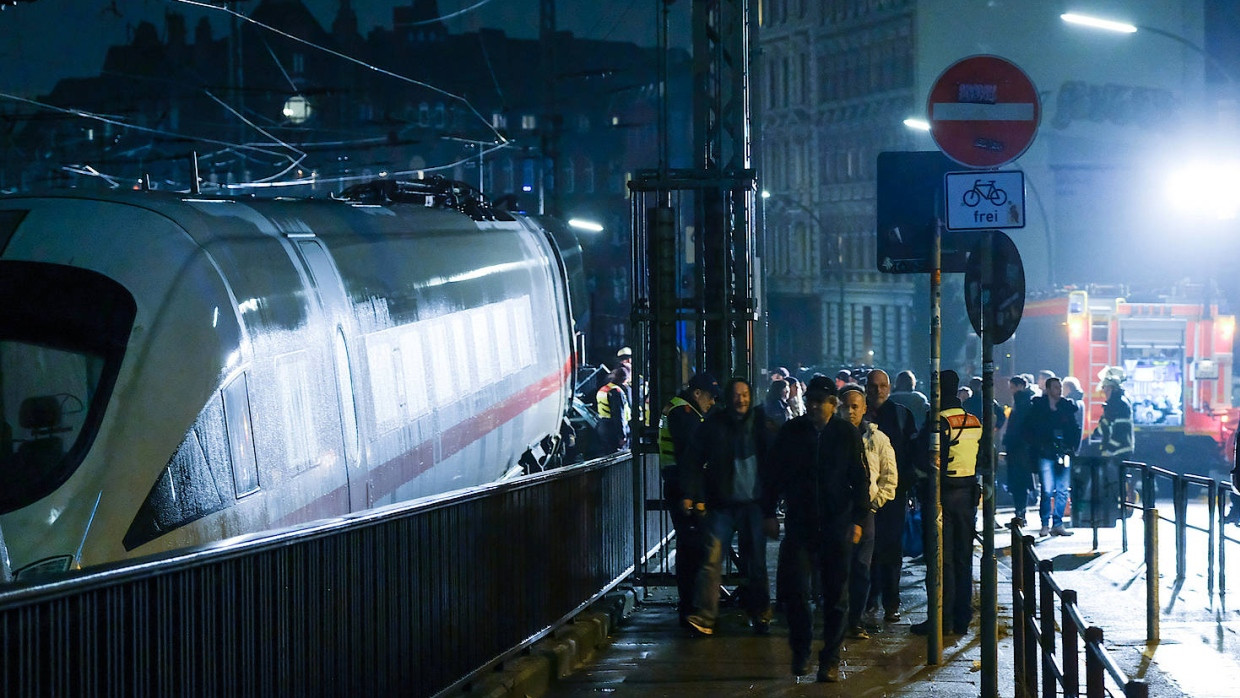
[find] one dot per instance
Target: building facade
(837, 79)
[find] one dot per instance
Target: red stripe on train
(390, 476)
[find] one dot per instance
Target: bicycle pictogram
(984, 189)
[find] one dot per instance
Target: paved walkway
(1198, 655)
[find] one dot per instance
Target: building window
(529, 122)
(299, 63)
(498, 120)
(441, 117)
(424, 114)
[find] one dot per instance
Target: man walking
(682, 416)
(725, 462)
(819, 471)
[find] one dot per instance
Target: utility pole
(718, 190)
(548, 199)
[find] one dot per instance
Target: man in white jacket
(880, 459)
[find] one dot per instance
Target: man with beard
(724, 470)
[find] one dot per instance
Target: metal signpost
(984, 113)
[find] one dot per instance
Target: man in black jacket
(1053, 435)
(1016, 445)
(722, 475)
(818, 469)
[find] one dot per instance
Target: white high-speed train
(179, 369)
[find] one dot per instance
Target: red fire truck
(1175, 352)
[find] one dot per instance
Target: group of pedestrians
(1044, 432)
(846, 458)
(841, 460)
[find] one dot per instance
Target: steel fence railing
(1036, 635)
(409, 599)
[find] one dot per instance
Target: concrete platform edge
(557, 655)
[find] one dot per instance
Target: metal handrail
(1034, 636)
(412, 599)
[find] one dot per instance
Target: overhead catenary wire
(383, 71)
(450, 15)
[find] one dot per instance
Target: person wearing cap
(723, 470)
(780, 373)
(624, 357)
(959, 494)
(818, 470)
(614, 411)
(681, 417)
(843, 378)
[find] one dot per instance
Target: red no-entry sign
(984, 111)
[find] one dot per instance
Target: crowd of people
(845, 459)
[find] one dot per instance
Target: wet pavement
(1198, 653)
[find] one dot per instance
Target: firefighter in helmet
(1114, 430)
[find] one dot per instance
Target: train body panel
(286, 361)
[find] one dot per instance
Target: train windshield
(63, 333)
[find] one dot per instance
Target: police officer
(682, 416)
(960, 491)
(614, 412)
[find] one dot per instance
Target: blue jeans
(1055, 479)
(722, 522)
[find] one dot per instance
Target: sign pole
(990, 599)
(932, 509)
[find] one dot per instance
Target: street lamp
(583, 224)
(1126, 28)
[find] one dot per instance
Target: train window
(484, 345)
(193, 484)
(295, 381)
(503, 337)
(460, 354)
(63, 334)
(413, 373)
(441, 367)
(240, 436)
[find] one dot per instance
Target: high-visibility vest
(667, 449)
(604, 404)
(963, 432)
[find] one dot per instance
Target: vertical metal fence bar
(1222, 542)
(1029, 584)
(1211, 500)
(1071, 643)
(1179, 490)
(1095, 496)
(1124, 511)
(1152, 606)
(1046, 623)
(1095, 686)
(1018, 614)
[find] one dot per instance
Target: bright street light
(582, 224)
(1098, 23)
(918, 124)
(1206, 188)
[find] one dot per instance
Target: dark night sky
(43, 41)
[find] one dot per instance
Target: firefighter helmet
(1111, 377)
